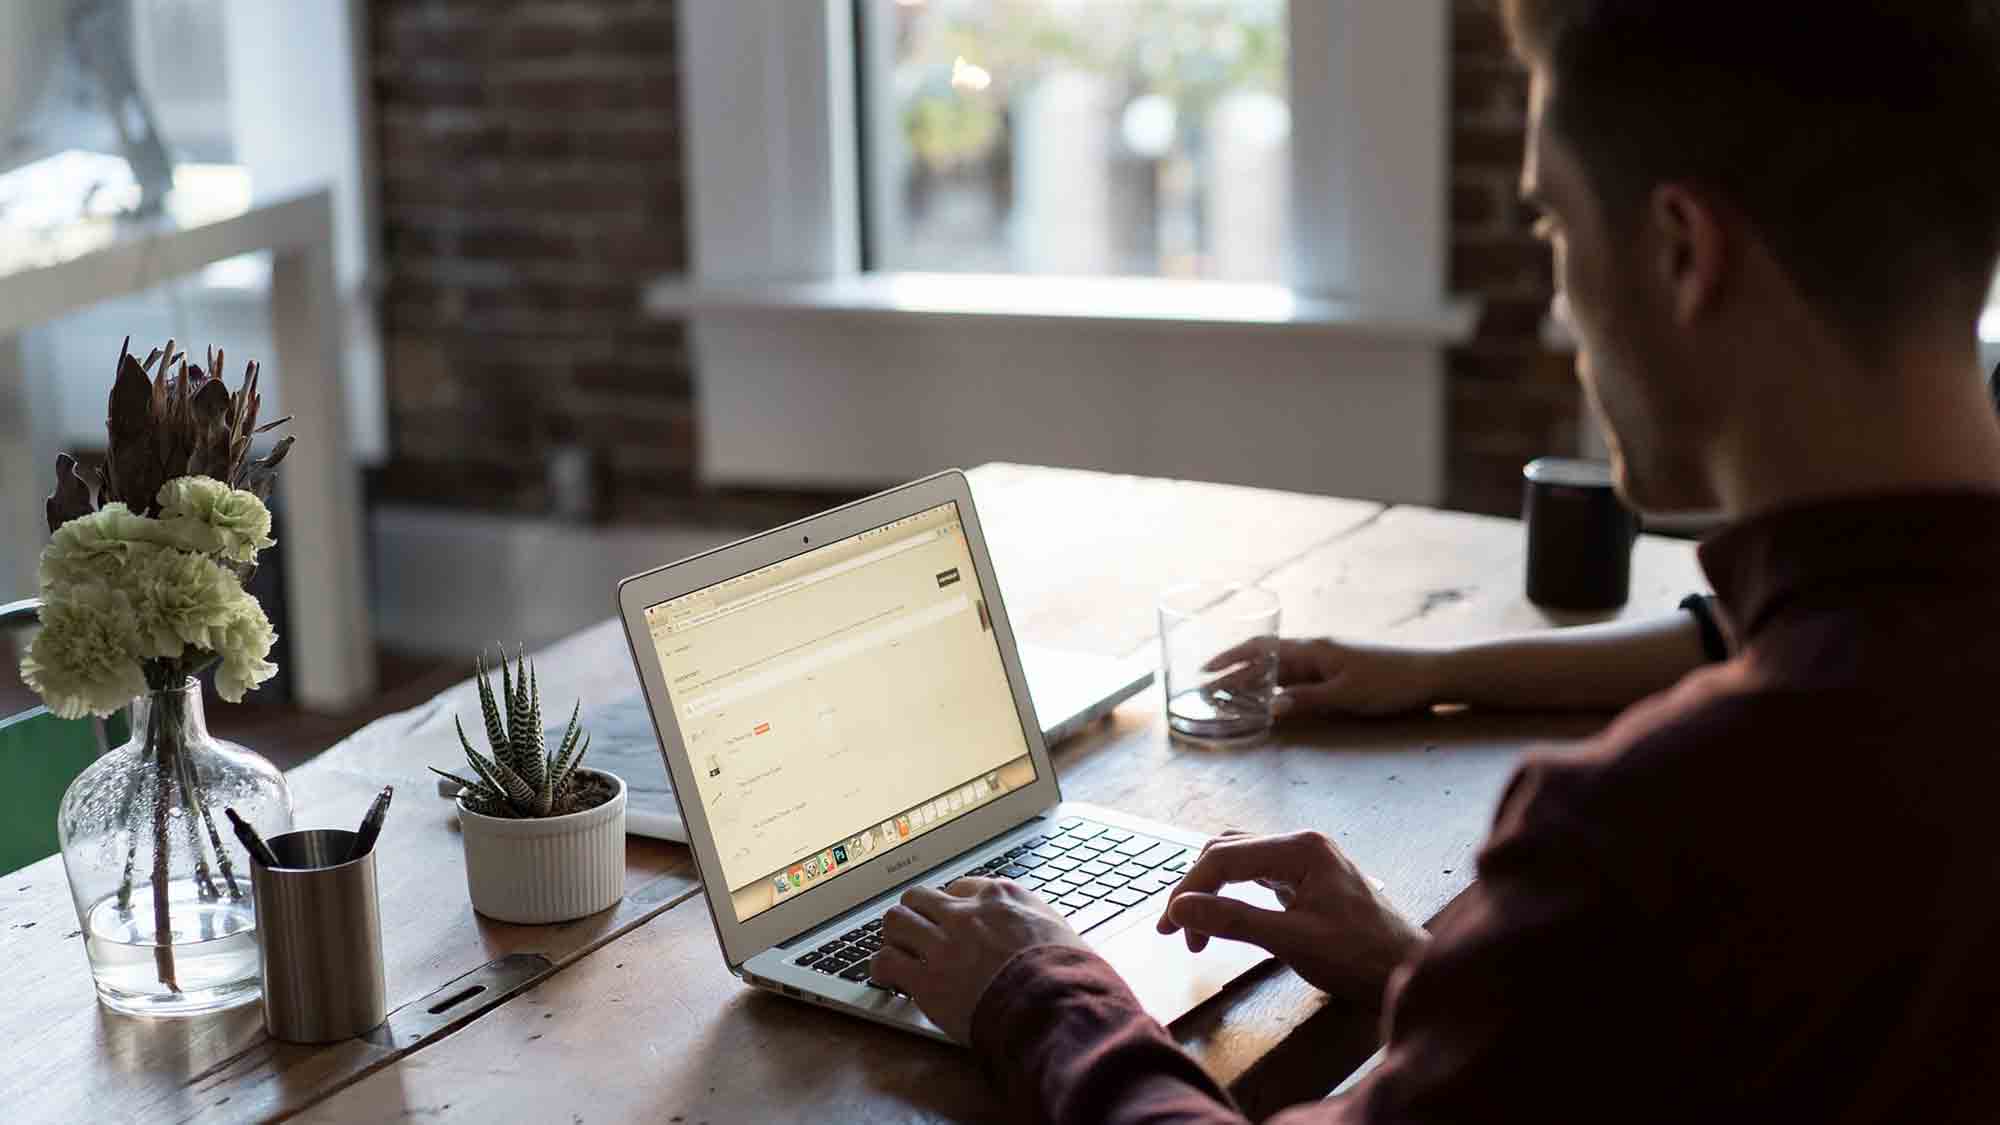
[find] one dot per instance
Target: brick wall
(1509, 399)
(530, 183)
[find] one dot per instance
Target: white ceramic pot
(547, 870)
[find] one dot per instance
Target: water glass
(1219, 659)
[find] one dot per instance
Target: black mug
(1580, 535)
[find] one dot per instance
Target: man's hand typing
(944, 947)
(1334, 930)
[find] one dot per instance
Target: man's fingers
(931, 903)
(1325, 697)
(897, 969)
(1304, 662)
(1236, 654)
(905, 929)
(1240, 860)
(1225, 834)
(1297, 660)
(1213, 916)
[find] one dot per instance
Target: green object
(40, 755)
(524, 778)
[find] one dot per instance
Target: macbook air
(1071, 691)
(843, 713)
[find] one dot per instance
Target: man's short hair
(1858, 138)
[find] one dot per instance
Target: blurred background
(617, 280)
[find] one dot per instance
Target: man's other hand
(944, 947)
(1328, 677)
(1334, 930)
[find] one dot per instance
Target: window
(1083, 137)
(900, 369)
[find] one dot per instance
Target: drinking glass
(1219, 659)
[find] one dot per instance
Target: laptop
(1071, 691)
(843, 714)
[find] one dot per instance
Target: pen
(253, 843)
(371, 824)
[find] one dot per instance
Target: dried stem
(215, 841)
(163, 929)
(125, 818)
(184, 776)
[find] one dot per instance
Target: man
(1769, 892)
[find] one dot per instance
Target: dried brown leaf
(71, 498)
(263, 472)
(208, 435)
(128, 426)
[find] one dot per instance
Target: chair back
(40, 755)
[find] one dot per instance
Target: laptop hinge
(898, 889)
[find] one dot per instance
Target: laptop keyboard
(1091, 873)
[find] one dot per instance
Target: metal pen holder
(319, 937)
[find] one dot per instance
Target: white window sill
(1556, 337)
(1114, 301)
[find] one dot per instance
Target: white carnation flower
(231, 521)
(246, 642)
(101, 546)
(183, 599)
(85, 661)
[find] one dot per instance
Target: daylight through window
(1083, 137)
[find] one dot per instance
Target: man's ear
(1692, 249)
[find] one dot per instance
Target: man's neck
(1833, 430)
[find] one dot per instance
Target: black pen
(252, 843)
(371, 825)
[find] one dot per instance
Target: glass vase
(162, 885)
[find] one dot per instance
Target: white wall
(450, 583)
(1275, 409)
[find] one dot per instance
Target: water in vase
(214, 951)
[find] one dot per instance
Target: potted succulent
(544, 838)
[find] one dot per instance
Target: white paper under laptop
(842, 709)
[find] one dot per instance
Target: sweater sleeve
(1525, 1007)
(1067, 1041)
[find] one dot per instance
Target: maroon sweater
(1771, 893)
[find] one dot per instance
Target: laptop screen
(839, 704)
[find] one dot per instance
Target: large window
(1083, 137)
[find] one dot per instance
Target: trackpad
(1169, 980)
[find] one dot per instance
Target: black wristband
(1713, 644)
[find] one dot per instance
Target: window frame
(813, 374)
(773, 141)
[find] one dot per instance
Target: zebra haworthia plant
(521, 777)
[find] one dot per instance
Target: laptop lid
(840, 704)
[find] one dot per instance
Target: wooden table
(644, 1021)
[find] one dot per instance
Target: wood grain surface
(74, 1060)
(651, 1026)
